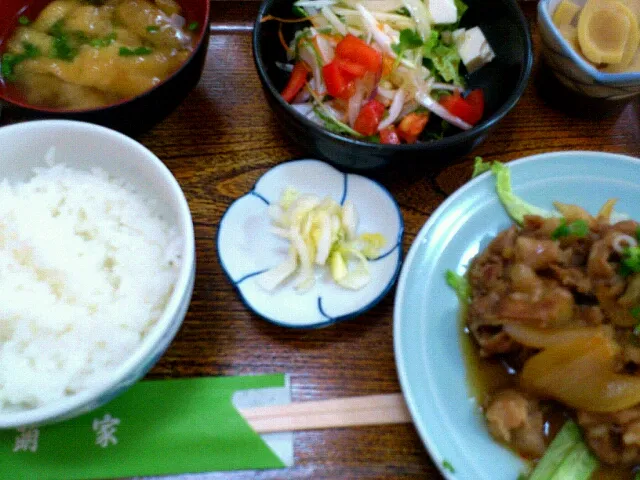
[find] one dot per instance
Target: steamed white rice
(86, 269)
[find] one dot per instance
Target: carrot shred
(282, 40)
(268, 18)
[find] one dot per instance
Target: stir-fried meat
(608, 296)
(598, 265)
(539, 227)
(536, 253)
(515, 419)
(573, 278)
(538, 279)
(613, 437)
(553, 306)
(526, 276)
(588, 315)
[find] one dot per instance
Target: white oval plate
(427, 347)
(247, 247)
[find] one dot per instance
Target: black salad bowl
(503, 81)
(131, 116)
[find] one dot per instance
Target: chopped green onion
(9, 61)
(30, 50)
(152, 28)
(56, 29)
(24, 20)
(447, 464)
(193, 26)
(103, 42)
(630, 262)
(577, 228)
(60, 46)
(61, 49)
(128, 52)
(80, 37)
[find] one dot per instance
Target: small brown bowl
(132, 115)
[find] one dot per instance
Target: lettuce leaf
(516, 207)
(442, 59)
(480, 166)
(567, 458)
(461, 6)
(460, 285)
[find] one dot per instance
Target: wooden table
(217, 144)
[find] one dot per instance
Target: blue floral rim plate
(247, 247)
(427, 337)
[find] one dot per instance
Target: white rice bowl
(96, 267)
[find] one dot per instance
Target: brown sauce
(485, 377)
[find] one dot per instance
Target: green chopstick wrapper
(157, 427)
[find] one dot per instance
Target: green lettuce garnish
(461, 6)
(442, 59)
(409, 39)
(460, 285)
(480, 166)
(567, 458)
(516, 207)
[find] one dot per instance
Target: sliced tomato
(389, 136)
(369, 118)
(337, 85)
(475, 98)
(296, 81)
(358, 51)
(411, 126)
(350, 69)
(469, 109)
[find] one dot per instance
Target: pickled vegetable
(565, 13)
(605, 32)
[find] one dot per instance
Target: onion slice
(428, 102)
(394, 110)
(381, 38)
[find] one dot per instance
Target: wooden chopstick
(334, 413)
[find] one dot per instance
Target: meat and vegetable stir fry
(557, 301)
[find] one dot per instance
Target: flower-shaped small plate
(247, 247)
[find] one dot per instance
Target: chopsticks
(333, 413)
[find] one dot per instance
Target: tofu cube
(443, 11)
(473, 47)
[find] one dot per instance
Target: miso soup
(80, 54)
